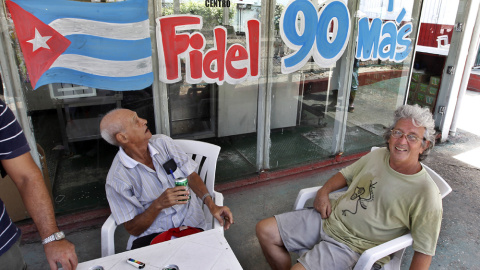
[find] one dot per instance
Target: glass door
(303, 93)
(344, 106)
(386, 32)
(214, 96)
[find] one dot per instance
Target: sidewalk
(458, 246)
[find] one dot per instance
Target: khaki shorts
(302, 232)
(13, 259)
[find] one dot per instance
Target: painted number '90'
(309, 32)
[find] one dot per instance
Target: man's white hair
(109, 128)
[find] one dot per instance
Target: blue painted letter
(368, 37)
(388, 41)
(403, 42)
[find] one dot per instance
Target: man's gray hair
(110, 128)
(421, 117)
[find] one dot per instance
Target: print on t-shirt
(361, 197)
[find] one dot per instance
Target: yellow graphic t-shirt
(382, 204)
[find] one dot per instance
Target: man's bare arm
(29, 181)
(221, 213)
(420, 261)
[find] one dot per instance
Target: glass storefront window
(67, 128)
(225, 114)
(276, 121)
(381, 85)
(329, 116)
(303, 104)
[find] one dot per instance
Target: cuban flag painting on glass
(99, 45)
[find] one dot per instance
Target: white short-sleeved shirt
(131, 187)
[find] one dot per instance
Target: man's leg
(272, 245)
(329, 254)
(298, 266)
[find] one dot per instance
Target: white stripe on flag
(122, 31)
(106, 68)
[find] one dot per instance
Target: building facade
(267, 114)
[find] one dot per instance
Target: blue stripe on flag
(109, 49)
(114, 12)
(63, 75)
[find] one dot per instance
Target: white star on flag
(38, 41)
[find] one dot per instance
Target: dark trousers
(144, 240)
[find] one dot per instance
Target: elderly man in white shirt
(141, 192)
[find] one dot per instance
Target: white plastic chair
(206, 155)
(396, 247)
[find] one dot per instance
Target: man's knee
(267, 231)
(298, 266)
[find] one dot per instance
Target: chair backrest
(206, 155)
(442, 185)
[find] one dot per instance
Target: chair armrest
(370, 256)
(309, 193)
(304, 195)
(107, 236)
(218, 199)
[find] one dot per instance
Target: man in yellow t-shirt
(389, 193)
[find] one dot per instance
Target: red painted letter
(216, 54)
(172, 45)
(195, 58)
(254, 46)
(235, 53)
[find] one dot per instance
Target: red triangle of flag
(38, 58)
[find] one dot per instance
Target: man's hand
(62, 252)
(171, 197)
(222, 213)
(322, 204)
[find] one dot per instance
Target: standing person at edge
(142, 193)
(395, 193)
(17, 162)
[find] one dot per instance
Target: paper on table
(198, 256)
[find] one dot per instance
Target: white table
(205, 250)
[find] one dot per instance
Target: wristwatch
(54, 237)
